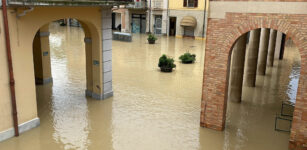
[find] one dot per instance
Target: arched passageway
(62, 104)
(221, 36)
(24, 24)
(41, 54)
(262, 89)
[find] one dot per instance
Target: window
(190, 3)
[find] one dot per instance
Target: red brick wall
(221, 35)
(266, 0)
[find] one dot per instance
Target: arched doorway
(220, 39)
(66, 51)
(259, 101)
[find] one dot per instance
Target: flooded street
(151, 110)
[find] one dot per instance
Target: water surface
(151, 110)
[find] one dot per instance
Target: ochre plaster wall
(5, 96)
(22, 32)
(178, 5)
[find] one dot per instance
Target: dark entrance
(158, 24)
(113, 21)
(138, 23)
(188, 32)
(172, 26)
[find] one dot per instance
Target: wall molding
(4, 135)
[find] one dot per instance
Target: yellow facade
(22, 32)
(178, 5)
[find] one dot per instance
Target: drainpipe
(203, 34)
(206, 15)
(167, 19)
(10, 66)
(149, 17)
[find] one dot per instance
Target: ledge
(4, 135)
(49, 3)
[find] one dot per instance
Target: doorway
(172, 26)
(188, 32)
(158, 24)
(138, 23)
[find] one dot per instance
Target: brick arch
(221, 36)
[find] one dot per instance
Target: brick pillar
(237, 69)
(282, 47)
(107, 52)
(264, 43)
(41, 55)
(253, 49)
(278, 44)
(272, 44)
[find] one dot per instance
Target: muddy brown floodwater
(151, 110)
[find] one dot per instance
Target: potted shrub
(187, 58)
(151, 39)
(166, 64)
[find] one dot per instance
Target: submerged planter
(151, 41)
(187, 58)
(166, 69)
(188, 62)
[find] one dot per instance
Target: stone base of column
(22, 128)
(297, 145)
(96, 96)
(43, 81)
(210, 126)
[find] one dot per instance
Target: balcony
(138, 5)
(157, 4)
(68, 2)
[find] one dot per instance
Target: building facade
(25, 55)
(131, 18)
(186, 18)
(228, 24)
(157, 16)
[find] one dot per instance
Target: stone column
(253, 49)
(278, 44)
(165, 22)
(127, 21)
(41, 56)
(264, 43)
(272, 44)
(237, 69)
(107, 52)
(123, 21)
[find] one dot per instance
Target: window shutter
(195, 3)
(185, 3)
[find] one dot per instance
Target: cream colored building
(187, 18)
(29, 41)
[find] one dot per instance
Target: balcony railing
(138, 5)
(157, 4)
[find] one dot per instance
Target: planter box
(187, 62)
(151, 41)
(119, 36)
(165, 69)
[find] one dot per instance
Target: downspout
(10, 66)
(206, 14)
(167, 19)
(203, 34)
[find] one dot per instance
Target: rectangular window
(190, 3)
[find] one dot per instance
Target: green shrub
(166, 62)
(187, 57)
(151, 37)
